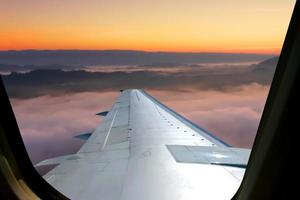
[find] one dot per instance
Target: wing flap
(234, 157)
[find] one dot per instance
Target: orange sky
(256, 26)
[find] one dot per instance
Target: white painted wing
(143, 150)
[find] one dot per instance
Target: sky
(257, 26)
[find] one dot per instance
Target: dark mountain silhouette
(7, 68)
(117, 57)
(265, 65)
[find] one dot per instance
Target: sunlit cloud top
(257, 26)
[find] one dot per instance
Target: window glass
(211, 61)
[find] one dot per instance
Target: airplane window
(66, 64)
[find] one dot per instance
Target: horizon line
(147, 51)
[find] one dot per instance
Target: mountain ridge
(119, 57)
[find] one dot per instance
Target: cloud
(236, 126)
(231, 115)
(48, 123)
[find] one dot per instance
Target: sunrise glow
(171, 25)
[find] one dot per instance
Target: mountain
(266, 65)
(118, 57)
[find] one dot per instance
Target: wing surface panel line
(108, 133)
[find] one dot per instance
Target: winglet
(104, 113)
(83, 136)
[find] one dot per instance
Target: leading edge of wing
(187, 122)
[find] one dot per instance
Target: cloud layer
(48, 124)
(232, 116)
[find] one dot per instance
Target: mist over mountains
(117, 57)
(55, 81)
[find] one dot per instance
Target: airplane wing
(144, 150)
